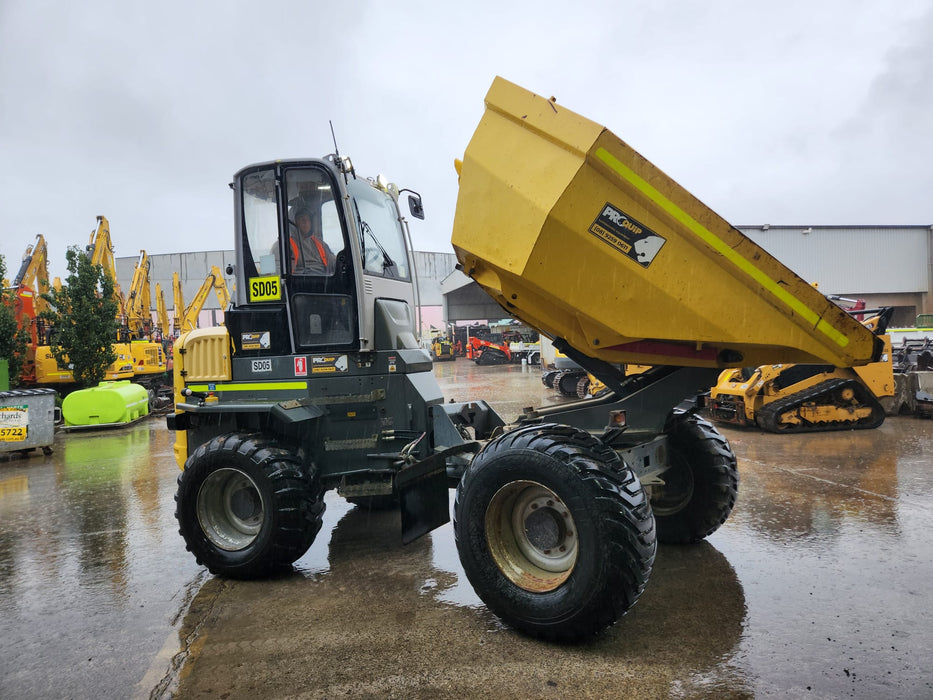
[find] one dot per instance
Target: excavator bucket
(578, 235)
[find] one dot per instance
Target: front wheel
(700, 488)
(245, 507)
(554, 532)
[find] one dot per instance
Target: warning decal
(626, 235)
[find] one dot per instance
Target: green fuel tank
(106, 404)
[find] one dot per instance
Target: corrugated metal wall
(192, 269)
(851, 259)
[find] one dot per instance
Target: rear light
(616, 419)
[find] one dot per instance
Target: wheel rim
(531, 535)
(230, 509)
(676, 492)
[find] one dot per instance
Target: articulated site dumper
(318, 382)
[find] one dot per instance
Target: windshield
(381, 237)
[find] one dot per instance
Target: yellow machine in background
(189, 318)
(164, 326)
(149, 358)
(785, 398)
(48, 371)
(29, 284)
(442, 349)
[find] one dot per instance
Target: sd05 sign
(265, 289)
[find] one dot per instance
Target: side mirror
(415, 206)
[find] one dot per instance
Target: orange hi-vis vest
(296, 252)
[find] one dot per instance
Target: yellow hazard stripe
(257, 386)
(722, 247)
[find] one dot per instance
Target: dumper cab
(319, 360)
(312, 243)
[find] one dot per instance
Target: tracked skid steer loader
(808, 398)
(318, 382)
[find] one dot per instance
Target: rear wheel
(245, 507)
(700, 488)
(554, 532)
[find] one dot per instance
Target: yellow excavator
(29, 284)
(48, 371)
(189, 318)
(149, 358)
(164, 325)
(797, 398)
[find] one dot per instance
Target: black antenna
(334, 137)
(341, 166)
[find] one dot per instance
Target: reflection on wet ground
(91, 575)
(818, 586)
(831, 541)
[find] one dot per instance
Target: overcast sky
(794, 112)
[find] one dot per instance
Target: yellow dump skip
(575, 233)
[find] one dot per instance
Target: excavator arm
(178, 313)
(572, 231)
(162, 312)
(100, 248)
(139, 300)
(34, 273)
(215, 281)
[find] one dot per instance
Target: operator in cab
(309, 254)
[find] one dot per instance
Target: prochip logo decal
(626, 235)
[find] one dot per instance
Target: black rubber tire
(583, 387)
(245, 506)
(586, 499)
(702, 485)
(548, 377)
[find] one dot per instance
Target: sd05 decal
(265, 289)
(628, 236)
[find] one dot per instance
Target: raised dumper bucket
(572, 231)
(106, 404)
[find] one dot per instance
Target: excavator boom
(574, 232)
(139, 300)
(164, 326)
(34, 273)
(100, 248)
(215, 281)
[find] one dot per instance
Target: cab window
(260, 218)
(381, 238)
(315, 237)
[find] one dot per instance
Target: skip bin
(574, 232)
(27, 420)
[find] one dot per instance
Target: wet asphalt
(819, 586)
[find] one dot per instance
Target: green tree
(13, 337)
(84, 319)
